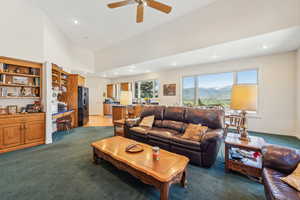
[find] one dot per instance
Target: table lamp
(126, 98)
(244, 98)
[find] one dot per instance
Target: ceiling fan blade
(159, 6)
(140, 13)
(120, 4)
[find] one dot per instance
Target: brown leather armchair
(279, 162)
(170, 124)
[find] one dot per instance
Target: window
(146, 89)
(215, 89)
(188, 93)
(211, 89)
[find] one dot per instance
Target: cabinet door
(11, 136)
(34, 131)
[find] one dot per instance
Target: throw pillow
(147, 121)
(293, 179)
(194, 132)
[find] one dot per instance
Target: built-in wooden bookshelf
(59, 77)
(20, 79)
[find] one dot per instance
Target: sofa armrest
(210, 145)
(280, 158)
(132, 122)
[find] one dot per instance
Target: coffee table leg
(183, 181)
(96, 157)
(164, 191)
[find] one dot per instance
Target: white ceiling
(275, 42)
(100, 27)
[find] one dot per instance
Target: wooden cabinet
(12, 135)
(107, 109)
(34, 131)
(75, 80)
(21, 130)
(118, 112)
(110, 91)
(125, 87)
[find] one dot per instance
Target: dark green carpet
(64, 170)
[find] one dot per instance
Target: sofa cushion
(174, 113)
(276, 188)
(147, 121)
(175, 125)
(141, 130)
(294, 178)
(162, 132)
(157, 111)
(213, 119)
(194, 132)
(186, 143)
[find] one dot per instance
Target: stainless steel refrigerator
(83, 106)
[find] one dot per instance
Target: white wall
(27, 33)
(277, 86)
(97, 86)
(214, 24)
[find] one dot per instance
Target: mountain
(219, 93)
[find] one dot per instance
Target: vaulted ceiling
(99, 27)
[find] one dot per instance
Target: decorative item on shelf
(36, 81)
(3, 111)
(34, 108)
(33, 71)
(22, 92)
(20, 80)
(1, 67)
(17, 70)
(23, 110)
(3, 91)
(12, 109)
(5, 67)
(244, 98)
(169, 89)
(2, 78)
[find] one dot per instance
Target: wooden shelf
(17, 85)
(17, 74)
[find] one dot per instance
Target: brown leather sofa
(279, 162)
(169, 125)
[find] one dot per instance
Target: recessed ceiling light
(265, 46)
(75, 21)
(132, 66)
(148, 71)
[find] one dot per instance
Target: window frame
(235, 81)
(139, 88)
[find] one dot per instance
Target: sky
(222, 79)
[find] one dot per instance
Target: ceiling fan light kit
(141, 4)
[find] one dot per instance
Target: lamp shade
(244, 97)
(126, 98)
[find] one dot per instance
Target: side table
(119, 126)
(239, 155)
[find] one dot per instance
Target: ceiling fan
(140, 7)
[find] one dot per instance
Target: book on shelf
(3, 91)
(36, 81)
(2, 78)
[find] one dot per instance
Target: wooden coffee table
(170, 169)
